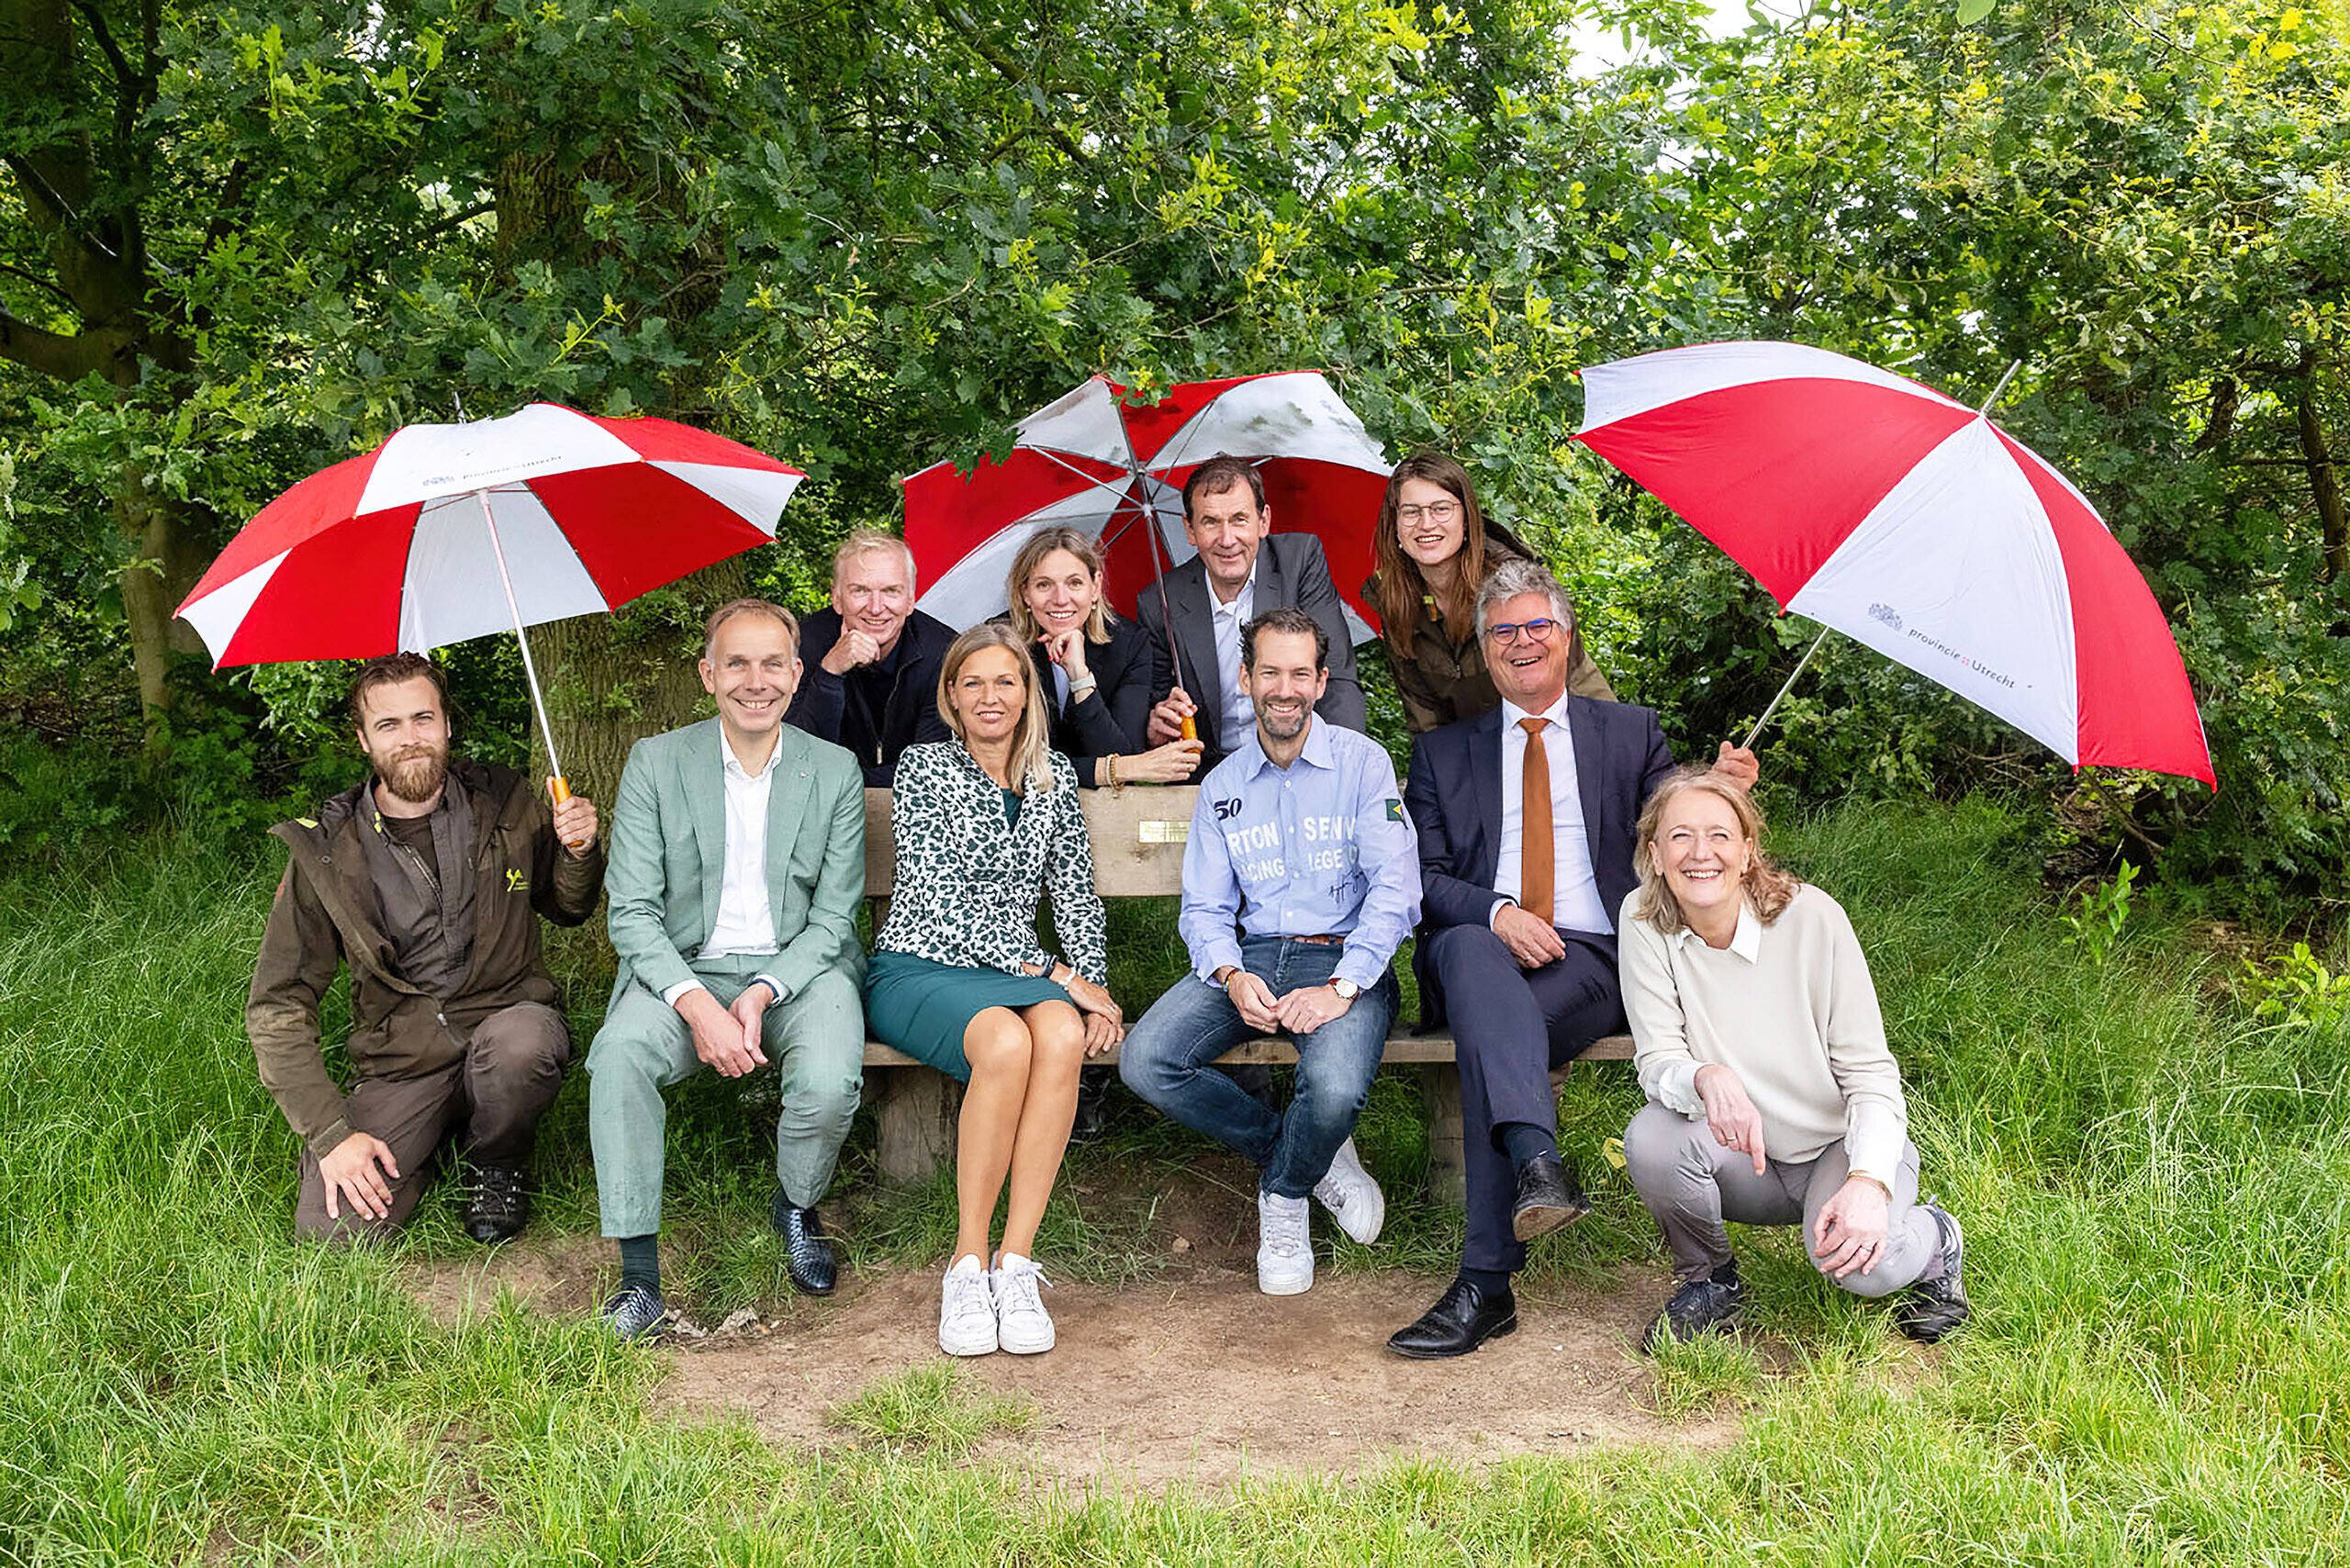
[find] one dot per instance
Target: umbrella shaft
(529, 670)
(1792, 676)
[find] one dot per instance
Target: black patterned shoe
(498, 1205)
(1932, 1309)
(1698, 1307)
(808, 1257)
(635, 1311)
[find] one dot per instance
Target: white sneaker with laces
(1022, 1324)
(1352, 1196)
(966, 1310)
(1284, 1255)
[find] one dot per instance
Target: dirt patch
(1190, 1376)
(1199, 1378)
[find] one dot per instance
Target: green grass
(2159, 1370)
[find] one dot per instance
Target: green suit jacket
(668, 856)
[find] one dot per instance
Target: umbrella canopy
(1115, 471)
(1912, 524)
(401, 548)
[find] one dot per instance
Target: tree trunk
(2325, 479)
(613, 679)
(165, 562)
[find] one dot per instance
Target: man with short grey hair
(1526, 815)
(872, 659)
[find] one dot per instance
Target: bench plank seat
(1138, 836)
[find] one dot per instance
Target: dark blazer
(909, 714)
(1113, 718)
(1291, 570)
(1454, 795)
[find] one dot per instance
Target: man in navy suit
(1242, 570)
(1525, 817)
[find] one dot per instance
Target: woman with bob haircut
(1773, 1097)
(1097, 671)
(983, 824)
(1434, 549)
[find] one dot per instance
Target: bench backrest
(1137, 835)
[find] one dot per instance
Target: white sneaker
(966, 1310)
(1284, 1256)
(1352, 1196)
(1022, 1324)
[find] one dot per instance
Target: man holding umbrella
(428, 880)
(1196, 610)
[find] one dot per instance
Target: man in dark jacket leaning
(428, 880)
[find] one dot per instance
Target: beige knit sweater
(1789, 1008)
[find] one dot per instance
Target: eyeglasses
(1436, 512)
(1535, 631)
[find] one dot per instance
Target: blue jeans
(1166, 1057)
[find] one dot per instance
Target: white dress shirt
(1240, 716)
(744, 922)
(1575, 903)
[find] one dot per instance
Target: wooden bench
(1138, 836)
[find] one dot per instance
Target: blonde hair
(863, 542)
(1768, 886)
(1041, 543)
(734, 607)
(1032, 756)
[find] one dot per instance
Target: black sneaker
(498, 1206)
(1934, 1308)
(1699, 1306)
(635, 1311)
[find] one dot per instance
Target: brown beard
(415, 779)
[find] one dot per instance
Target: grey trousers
(490, 1099)
(1693, 1184)
(816, 1041)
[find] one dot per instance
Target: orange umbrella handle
(559, 790)
(1191, 728)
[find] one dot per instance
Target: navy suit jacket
(1290, 571)
(1454, 794)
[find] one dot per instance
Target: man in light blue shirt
(1301, 879)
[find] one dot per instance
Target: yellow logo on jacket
(516, 882)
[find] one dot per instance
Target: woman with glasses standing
(1435, 549)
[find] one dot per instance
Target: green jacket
(326, 913)
(669, 856)
(1441, 681)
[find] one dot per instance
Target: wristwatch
(1347, 990)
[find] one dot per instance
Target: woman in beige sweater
(1773, 1098)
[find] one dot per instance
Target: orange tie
(1539, 870)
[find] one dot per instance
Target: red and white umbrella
(450, 531)
(1912, 524)
(1116, 471)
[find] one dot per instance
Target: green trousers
(816, 1041)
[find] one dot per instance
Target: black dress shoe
(498, 1206)
(635, 1311)
(808, 1257)
(1549, 1198)
(1462, 1318)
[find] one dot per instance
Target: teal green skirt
(922, 1007)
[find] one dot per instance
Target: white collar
(733, 764)
(1556, 712)
(1248, 594)
(1746, 941)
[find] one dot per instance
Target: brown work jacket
(327, 913)
(1441, 680)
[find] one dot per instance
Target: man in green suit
(737, 865)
